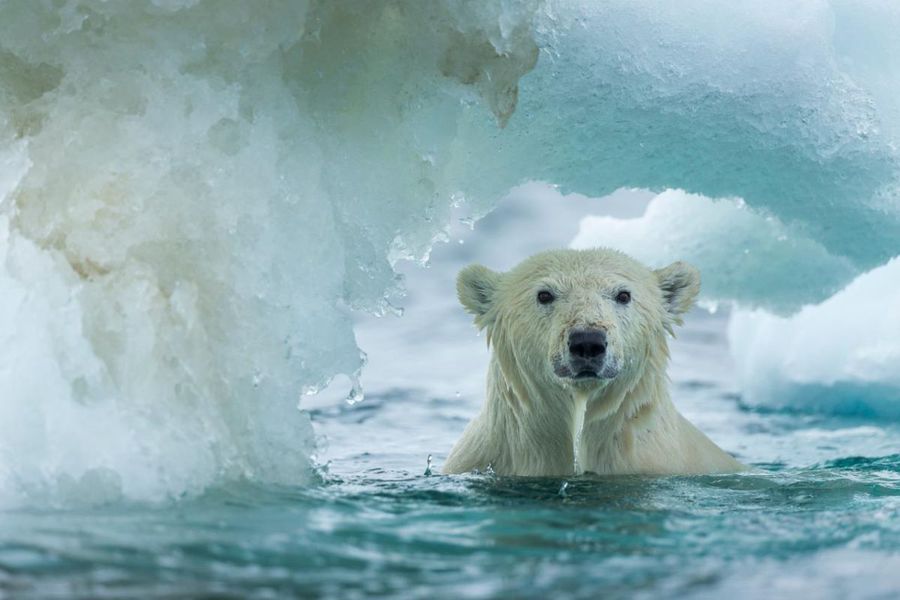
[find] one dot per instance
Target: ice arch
(193, 192)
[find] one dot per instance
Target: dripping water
(578, 430)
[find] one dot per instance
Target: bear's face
(578, 318)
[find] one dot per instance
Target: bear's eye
(545, 297)
(623, 297)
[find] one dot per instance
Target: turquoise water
(832, 530)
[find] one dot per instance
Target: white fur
(536, 423)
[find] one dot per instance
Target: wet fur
(530, 421)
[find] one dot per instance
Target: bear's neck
(571, 430)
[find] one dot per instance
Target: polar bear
(577, 378)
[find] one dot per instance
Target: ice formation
(193, 193)
(783, 125)
(840, 356)
(728, 241)
(791, 108)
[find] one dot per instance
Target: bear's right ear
(476, 286)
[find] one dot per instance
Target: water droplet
(356, 393)
(428, 471)
(458, 394)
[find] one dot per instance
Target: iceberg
(194, 195)
(837, 357)
(728, 241)
(789, 108)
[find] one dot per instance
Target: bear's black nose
(587, 343)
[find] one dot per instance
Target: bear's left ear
(680, 284)
(476, 286)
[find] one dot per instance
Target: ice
(196, 195)
(793, 108)
(728, 241)
(192, 196)
(840, 356)
(776, 128)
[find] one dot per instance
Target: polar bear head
(579, 318)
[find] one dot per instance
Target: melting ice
(194, 193)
